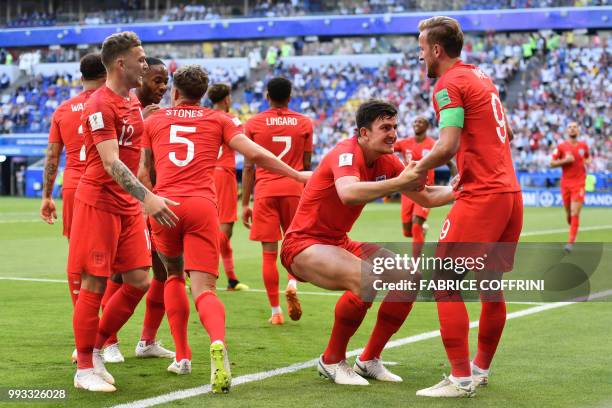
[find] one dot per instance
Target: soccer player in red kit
(572, 156)
(67, 131)
(414, 215)
(317, 249)
(108, 232)
(150, 94)
(288, 135)
(183, 143)
(226, 186)
(488, 207)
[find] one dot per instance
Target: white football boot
(449, 388)
(220, 372)
(90, 381)
(480, 376)
(112, 354)
(340, 373)
(182, 367)
(154, 349)
(100, 369)
(375, 369)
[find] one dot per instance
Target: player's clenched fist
(157, 207)
(47, 210)
(411, 180)
(247, 216)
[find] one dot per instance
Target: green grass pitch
(556, 358)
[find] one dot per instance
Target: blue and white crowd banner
(553, 198)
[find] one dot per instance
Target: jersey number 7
(283, 139)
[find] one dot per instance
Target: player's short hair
(445, 31)
(92, 67)
(191, 81)
(374, 109)
(154, 61)
(217, 92)
(279, 89)
(117, 45)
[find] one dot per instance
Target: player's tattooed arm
(51, 163)
(126, 179)
(146, 170)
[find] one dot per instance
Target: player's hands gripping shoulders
(157, 207)
(48, 211)
(410, 179)
(247, 216)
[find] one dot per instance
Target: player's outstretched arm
(431, 196)
(146, 170)
(443, 151)
(352, 191)
(254, 153)
(48, 211)
(154, 205)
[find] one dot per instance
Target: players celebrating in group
(186, 185)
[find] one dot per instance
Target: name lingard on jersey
(281, 121)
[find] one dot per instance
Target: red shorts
(572, 193)
(411, 209)
(270, 214)
(67, 209)
(103, 243)
(293, 245)
(475, 225)
(227, 194)
(195, 236)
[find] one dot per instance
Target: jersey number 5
(283, 139)
(175, 138)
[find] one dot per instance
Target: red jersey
(288, 135)
(574, 173)
(185, 141)
(226, 157)
(413, 150)
(66, 128)
(106, 116)
(466, 97)
(321, 213)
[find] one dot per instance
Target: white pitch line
(560, 230)
(243, 379)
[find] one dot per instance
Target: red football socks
(74, 284)
(391, 316)
(212, 315)
(574, 224)
(454, 329)
(270, 277)
(227, 255)
(154, 312)
(85, 324)
(177, 308)
(349, 313)
(111, 288)
(117, 311)
(490, 328)
(418, 238)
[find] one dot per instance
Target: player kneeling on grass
(318, 250)
(183, 143)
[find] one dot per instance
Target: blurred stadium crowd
(133, 11)
(557, 78)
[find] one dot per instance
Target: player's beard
(431, 70)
